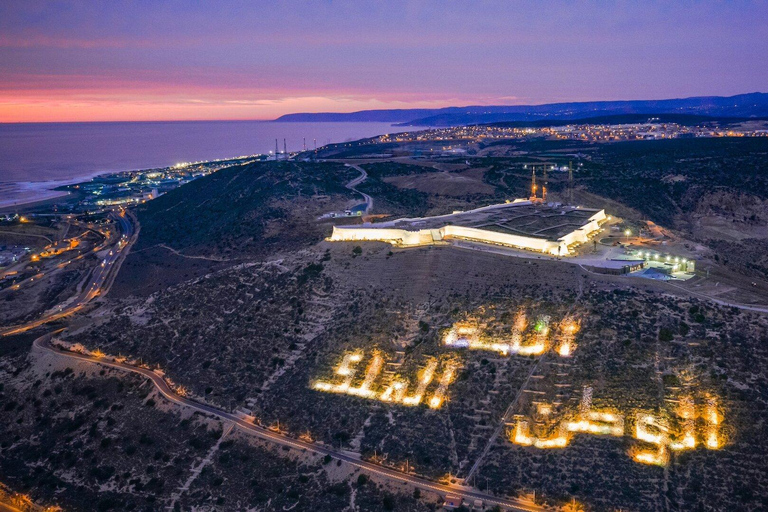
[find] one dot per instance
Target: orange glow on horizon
(41, 106)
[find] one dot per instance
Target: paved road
(59, 267)
(43, 343)
(98, 280)
(355, 182)
(582, 261)
(15, 233)
(746, 307)
(94, 287)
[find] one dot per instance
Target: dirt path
(502, 423)
(177, 253)
(196, 470)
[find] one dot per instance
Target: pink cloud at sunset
(99, 61)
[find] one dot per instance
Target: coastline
(26, 193)
(32, 204)
(17, 194)
(103, 146)
(29, 195)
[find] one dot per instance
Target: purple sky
(120, 60)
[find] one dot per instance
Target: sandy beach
(24, 193)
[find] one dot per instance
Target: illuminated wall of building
(406, 238)
(393, 236)
(494, 237)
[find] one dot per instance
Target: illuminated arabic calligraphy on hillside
(434, 377)
(692, 421)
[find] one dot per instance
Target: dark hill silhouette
(742, 105)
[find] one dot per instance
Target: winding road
(43, 343)
(355, 182)
(100, 281)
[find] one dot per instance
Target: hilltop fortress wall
(391, 235)
(581, 235)
(494, 237)
(406, 238)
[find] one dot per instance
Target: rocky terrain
(95, 439)
(633, 348)
(233, 293)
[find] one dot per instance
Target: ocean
(35, 158)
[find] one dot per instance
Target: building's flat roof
(536, 220)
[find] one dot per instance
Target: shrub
(666, 334)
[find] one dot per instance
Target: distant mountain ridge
(743, 105)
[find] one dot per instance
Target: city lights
(582, 132)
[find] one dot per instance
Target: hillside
(259, 337)
(238, 213)
(234, 294)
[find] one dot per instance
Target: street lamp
(627, 232)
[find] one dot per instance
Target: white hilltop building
(529, 224)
